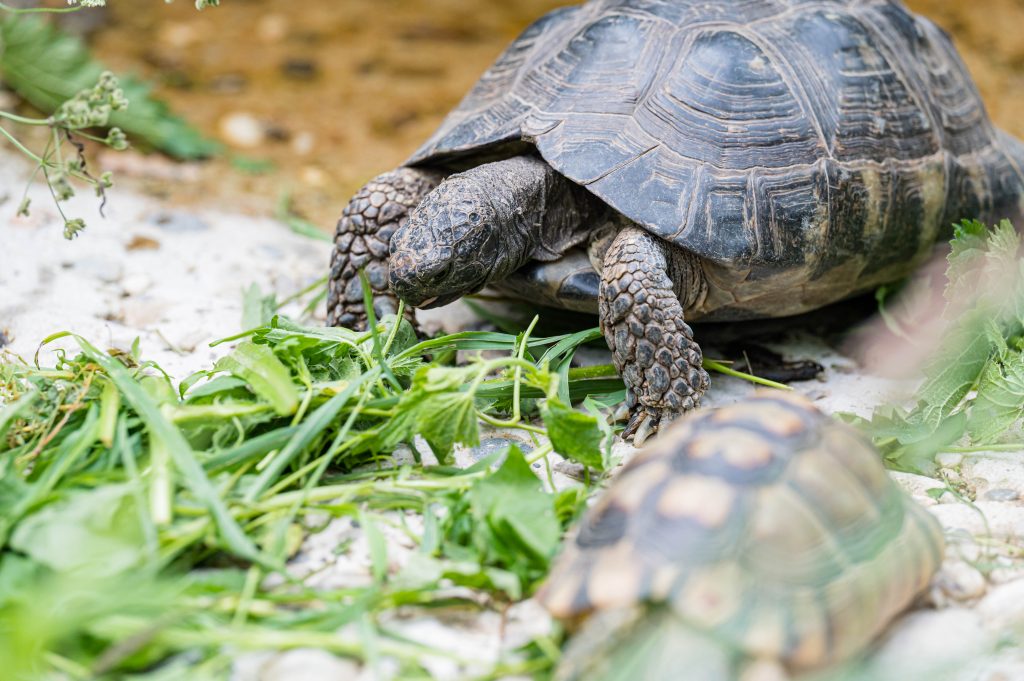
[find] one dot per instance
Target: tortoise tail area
(654, 644)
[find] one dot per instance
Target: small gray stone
(948, 460)
(104, 269)
(179, 222)
(960, 581)
(493, 445)
(1002, 495)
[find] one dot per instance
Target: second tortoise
(662, 161)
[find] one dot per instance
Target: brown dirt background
(344, 89)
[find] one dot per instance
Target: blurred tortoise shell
(766, 523)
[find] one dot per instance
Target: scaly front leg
(642, 320)
(363, 239)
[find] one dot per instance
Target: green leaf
(520, 515)
(444, 419)
(12, 412)
(257, 309)
(48, 67)
(573, 434)
(1000, 401)
(181, 453)
(265, 373)
(952, 373)
(96, 530)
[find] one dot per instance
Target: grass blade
(193, 475)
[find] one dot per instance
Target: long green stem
(21, 147)
(722, 369)
(24, 119)
(38, 10)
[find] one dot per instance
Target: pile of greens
(972, 395)
(139, 519)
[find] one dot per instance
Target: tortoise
(749, 542)
(663, 161)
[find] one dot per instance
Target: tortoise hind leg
(642, 320)
(363, 239)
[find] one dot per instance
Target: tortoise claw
(620, 414)
(641, 426)
(646, 429)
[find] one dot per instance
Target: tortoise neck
(540, 213)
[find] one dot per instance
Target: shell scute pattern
(801, 554)
(814, 147)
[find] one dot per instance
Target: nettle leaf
(573, 434)
(952, 373)
(1000, 400)
(906, 440)
(265, 373)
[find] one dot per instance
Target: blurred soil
(315, 97)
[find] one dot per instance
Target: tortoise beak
(438, 301)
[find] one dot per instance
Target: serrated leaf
(573, 434)
(1000, 400)
(954, 371)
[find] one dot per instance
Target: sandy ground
(174, 279)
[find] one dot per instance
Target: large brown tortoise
(747, 543)
(668, 160)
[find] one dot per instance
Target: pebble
(300, 68)
(243, 130)
(179, 222)
(177, 34)
(1002, 495)
(272, 28)
(229, 84)
(102, 268)
(948, 460)
(494, 445)
(1003, 607)
(928, 641)
(141, 312)
(136, 284)
(960, 581)
(303, 143)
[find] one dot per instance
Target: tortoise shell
(766, 523)
(782, 140)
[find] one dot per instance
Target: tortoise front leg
(362, 241)
(642, 320)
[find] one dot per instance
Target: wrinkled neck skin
(481, 225)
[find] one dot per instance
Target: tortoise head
(448, 247)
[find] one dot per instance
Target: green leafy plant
(55, 73)
(972, 394)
